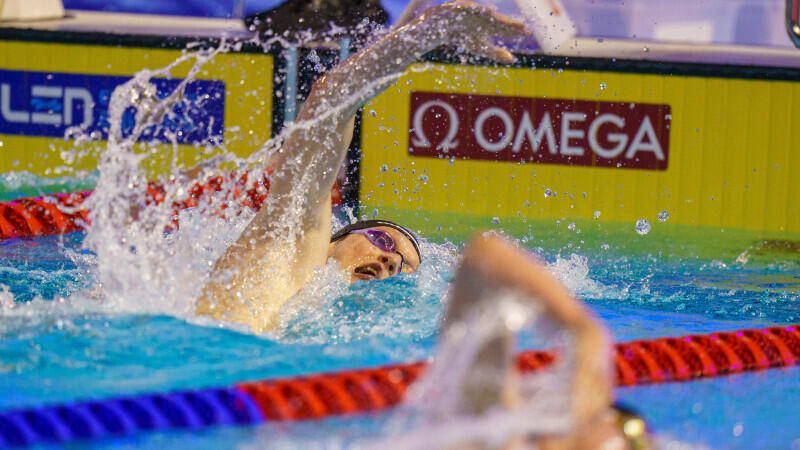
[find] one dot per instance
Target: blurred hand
(471, 26)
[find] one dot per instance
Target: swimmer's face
(366, 261)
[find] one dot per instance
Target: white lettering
(621, 139)
(420, 140)
(652, 144)
(47, 118)
(5, 107)
(508, 130)
(568, 133)
(71, 94)
(535, 136)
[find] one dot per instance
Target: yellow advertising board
(585, 144)
(48, 87)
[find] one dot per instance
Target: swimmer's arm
(325, 120)
(501, 264)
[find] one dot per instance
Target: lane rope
(56, 214)
(371, 389)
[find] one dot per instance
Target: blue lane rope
(127, 416)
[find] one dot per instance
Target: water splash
(139, 268)
(406, 307)
(573, 272)
(642, 226)
(7, 302)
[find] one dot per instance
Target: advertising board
(572, 143)
(49, 90)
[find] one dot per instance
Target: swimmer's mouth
(367, 272)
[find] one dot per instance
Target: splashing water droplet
(642, 226)
(372, 113)
(597, 214)
(602, 86)
(663, 216)
(548, 193)
(384, 168)
(495, 220)
(451, 161)
(571, 226)
(605, 246)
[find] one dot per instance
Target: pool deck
(586, 47)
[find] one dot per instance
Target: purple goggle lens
(383, 241)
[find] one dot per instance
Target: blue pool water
(60, 341)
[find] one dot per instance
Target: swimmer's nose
(391, 264)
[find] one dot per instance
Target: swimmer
(238, 289)
(491, 264)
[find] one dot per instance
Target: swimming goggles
(384, 242)
(373, 223)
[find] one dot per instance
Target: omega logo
(541, 130)
(420, 140)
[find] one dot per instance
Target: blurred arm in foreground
(491, 263)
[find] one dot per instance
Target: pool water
(62, 339)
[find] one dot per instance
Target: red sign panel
(539, 130)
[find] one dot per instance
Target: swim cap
(363, 224)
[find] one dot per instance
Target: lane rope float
(56, 214)
(371, 389)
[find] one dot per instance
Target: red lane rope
(48, 216)
(39, 216)
(639, 362)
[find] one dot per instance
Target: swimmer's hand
(471, 26)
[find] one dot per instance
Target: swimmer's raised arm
(337, 95)
(493, 261)
(276, 253)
